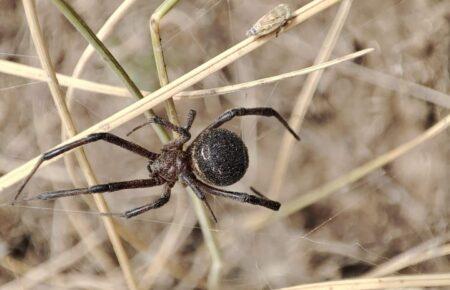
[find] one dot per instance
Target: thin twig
(66, 119)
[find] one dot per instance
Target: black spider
(217, 156)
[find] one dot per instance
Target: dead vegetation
(365, 194)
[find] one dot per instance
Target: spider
(217, 156)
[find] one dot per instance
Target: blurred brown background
(360, 110)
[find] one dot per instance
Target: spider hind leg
(155, 204)
(191, 181)
(242, 197)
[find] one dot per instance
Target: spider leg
(190, 119)
(155, 204)
(110, 138)
(260, 111)
(160, 121)
(191, 181)
(257, 192)
(183, 132)
(107, 187)
(242, 197)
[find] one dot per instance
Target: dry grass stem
(403, 282)
(429, 250)
(22, 70)
(384, 80)
(158, 54)
(171, 237)
(95, 87)
(104, 32)
(358, 72)
(304, 99)
(252, 84)
(211, 244)
(66, 119)
(81, 26)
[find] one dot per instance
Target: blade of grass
(426, 280)
(104, 32)
(175, 86)
(210, 240)
(42, 51)
(304, 100)
(90, 36)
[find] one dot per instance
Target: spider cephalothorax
(216, 157)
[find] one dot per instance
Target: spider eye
(219, 157)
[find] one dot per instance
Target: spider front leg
(183, 132)
(260, 111)
(110, 138)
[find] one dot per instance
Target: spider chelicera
(216, 157)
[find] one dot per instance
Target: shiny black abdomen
(219, 157)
